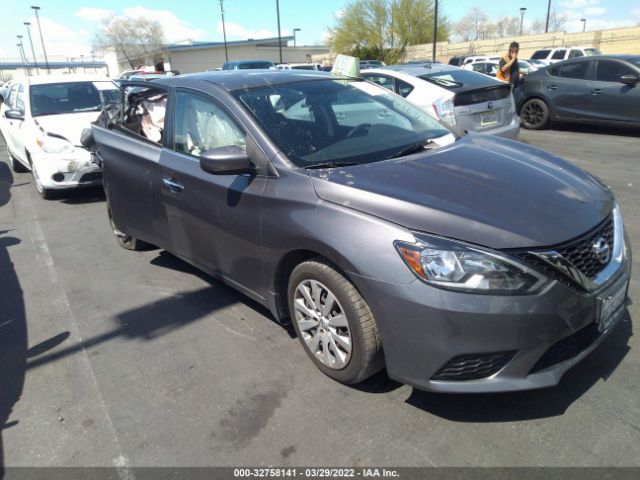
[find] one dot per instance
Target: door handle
(173, 185)
(552, 87)
(596, 91)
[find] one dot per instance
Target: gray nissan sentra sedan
(463, 264)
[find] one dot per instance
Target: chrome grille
(579, 253)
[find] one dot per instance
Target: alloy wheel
(533, 113)
(322, 323)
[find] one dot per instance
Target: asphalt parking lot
(110, 357)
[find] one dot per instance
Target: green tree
(382, 29)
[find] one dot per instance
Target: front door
(612, 99)
(214, 219)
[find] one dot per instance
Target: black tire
(535, 114)
(366, 344)
(16, 166)
(126, 241)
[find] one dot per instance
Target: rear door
(612, 100)
(568, 87)
(215, 220)
(131, 152)
(10, 126)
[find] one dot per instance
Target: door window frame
(597, 66)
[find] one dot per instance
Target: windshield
(458, 78)
(338, 121)
(589, 52)
(254, 65)
(71, 97)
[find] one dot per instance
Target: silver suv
(552, 55)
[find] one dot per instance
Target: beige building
(203, 56)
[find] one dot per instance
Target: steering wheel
(358, 129)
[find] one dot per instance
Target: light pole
(23, 57)
(435, 29)
(294, 35)
(35, 60)
(584, 23)
(224, 32)
(44, 50)
(522, 10)
(279, 35)
(546, 27)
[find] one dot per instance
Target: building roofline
(199, 45)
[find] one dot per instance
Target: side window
(20, 99)
(608, 71)
(12, 97)
(573, 53)
(540, 54)
(382, 80)
(200, 125)
(403, 88)
(559, 54)
(576, 70)
(554, 71)
(144, 112)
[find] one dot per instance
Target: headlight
(444, 110)
(51, 144)
(457, 266)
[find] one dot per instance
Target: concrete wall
(618, 40)
(199, 60)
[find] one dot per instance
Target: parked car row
(462, 263)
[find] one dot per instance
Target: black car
(601, 89)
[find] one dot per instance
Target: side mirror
(228, 160)
(86, 139)
(629, 79)
(14, 114)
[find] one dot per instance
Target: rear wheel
(126, 241)
(334, 323)
(534, 114)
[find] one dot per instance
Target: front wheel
(334, 323)
(46, 193)
(534, 114)
(126, 241)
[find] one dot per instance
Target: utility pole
(546, 28)
(294, 35)
(435, 29)
(33, 52)
(224, 32)
(584, 23)
(522, 10)
(279, 35)
(44, 50)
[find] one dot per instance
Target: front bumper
(424, 328)
(63, 170)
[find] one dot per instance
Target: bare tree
(557, 21)
(537, 26)
(507, 26)
(134, 38)
(475, 25)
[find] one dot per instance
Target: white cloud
(635, 12)
(175, 30)
(575, 25)
(339, 14)
(325, 37)
(594, 11)
(59, 40)
(235, 31)
(574, 4)
(93, 14)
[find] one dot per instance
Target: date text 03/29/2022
(289, 472)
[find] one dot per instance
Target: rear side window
(382, 80)
(575, 70)
(540, 54)
(609, 71)
(559, 54)
(403, 88)
(20, 99)
(575, 53)
(144, 112)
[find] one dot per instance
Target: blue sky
(69, 25)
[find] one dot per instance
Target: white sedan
(42, 120)
(466, 99)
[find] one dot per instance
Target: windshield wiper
(331, 165)
(414, 148)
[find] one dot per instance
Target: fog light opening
(58, 177)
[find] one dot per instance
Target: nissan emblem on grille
(601, 251)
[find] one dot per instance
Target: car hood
(488, 191)
(69, 126)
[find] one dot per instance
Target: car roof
(250, 78)
(64, 78)
(417, 70)
(627, 57)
